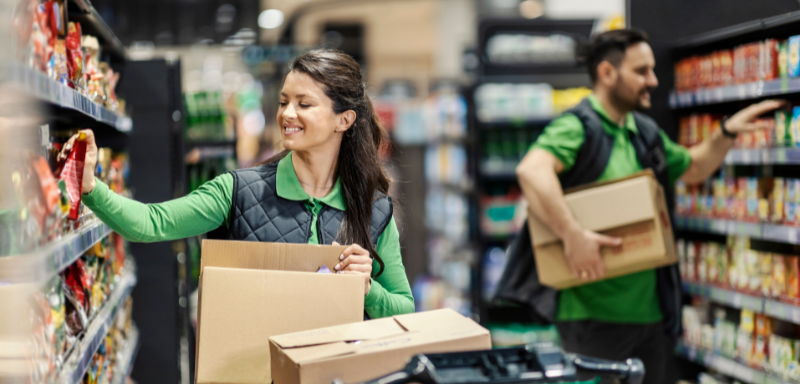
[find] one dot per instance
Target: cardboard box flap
(268, 256)
(373, 329)
(319, 352)
(437, 319)
(609, 206)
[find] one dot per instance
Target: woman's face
(306, 115)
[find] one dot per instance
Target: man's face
(635, 77)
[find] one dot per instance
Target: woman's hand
(355, 260)
(90, 162)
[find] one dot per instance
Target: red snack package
(74, 53)
(79, 283)
(73, 175)
(48, 183)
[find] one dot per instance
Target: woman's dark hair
(610, 46)
(360, 168)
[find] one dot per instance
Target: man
(620, 317)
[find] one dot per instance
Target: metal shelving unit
(728, 366)
(53, 257)
(736, 92)
(767, 156)
(78, 361)
(65, 100)
(774, 308)
(769, 232)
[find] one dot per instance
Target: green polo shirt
(208, 207)
(631, 298)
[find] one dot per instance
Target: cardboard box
(632, 208)
(250, 291)
(363, 351)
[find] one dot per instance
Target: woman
(329, 185)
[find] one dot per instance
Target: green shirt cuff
(376, 290)
(100, 190)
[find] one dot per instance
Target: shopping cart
(534, 363)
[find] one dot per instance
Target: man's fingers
(761, 108)
(608, 240)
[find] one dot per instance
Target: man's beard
(623, 102)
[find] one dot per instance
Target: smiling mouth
(291, 130)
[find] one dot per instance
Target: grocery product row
(47, 188)
(206, 119)
(69, 303)
(54, 45)
(499, 102)
(782, 131)
(553, 49)
(503, 149)
(734, 265)
(761, 60)
(747, 339)
(746, 199)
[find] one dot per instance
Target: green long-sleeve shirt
(208, 207)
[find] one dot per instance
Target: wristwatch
(724, 130)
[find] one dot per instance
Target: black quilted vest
(259, 214)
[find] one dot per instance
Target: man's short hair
(610, 46)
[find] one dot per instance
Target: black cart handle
(630, 372)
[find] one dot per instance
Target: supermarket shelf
(65, 100)
(54, 257)
(727, 366)
(772, 308)
(769, 232)
(727, 297)
(93, 24)
(127, 357)
(750, 31)
(78, 361)
(515, 123)
(735, 92)
(763, 156)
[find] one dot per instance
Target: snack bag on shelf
(79, 282)
(783, 121)
(753, 259)
(783, 59)
(74, 55)
(790, 203)
(752, 199)
(793, 63)
(41, 36)
(47, 196)
(793, 277)
(75, 318)
(57, 69)
(713, 261)
(681, 204)
(778, 276)
(762, 332)
(702, 263)
(720, 199)
(777, 200)
(691, 261)
(766, 269)
(680, 251)
(769, 59)
(794, 129)
(73, 175)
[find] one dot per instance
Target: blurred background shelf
(770, 232)
(773, 156)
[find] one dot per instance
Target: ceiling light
(270, 19)
(531, 9)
